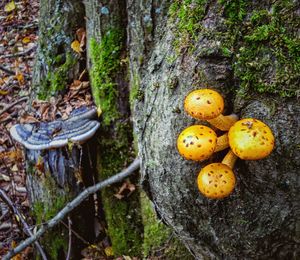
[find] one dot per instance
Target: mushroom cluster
(248, 139)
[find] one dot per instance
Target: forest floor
(18, 41)
(18, 44)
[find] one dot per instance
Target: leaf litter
(18, 41)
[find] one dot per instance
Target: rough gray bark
(56, 63)
(260, 220)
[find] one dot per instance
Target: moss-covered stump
(54, 177)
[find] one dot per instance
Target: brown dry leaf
(78, 85)
(75, 45)
(75, 84)
(80, 33)
(14, 155)
(25, 119)
(20, 78)
(125, 190)
(40, 165)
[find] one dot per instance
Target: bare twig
(76, 234)
(7, 107)
(10, 72)
(27, 230)
(18, 54)
(70, 238)
(73, 204)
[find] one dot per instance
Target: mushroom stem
(222, 142)
(229, 159)
(223, 122)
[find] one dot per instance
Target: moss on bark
(260, 39)
(115, 145)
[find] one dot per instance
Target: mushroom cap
(204, 104)
(251, 139)
(216, 181)
(197, 142)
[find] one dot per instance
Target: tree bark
(55, 176)
(201, 44)
(248, 52)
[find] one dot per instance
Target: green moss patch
(105, 57)
(158, 238)
(187, 15)
(261, 41)
(55, 241)
(115, 145)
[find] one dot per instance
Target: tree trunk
(56, 176)
(248, 52)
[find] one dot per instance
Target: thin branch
(10, 72)
(7, 107)
(27, 230)
(18, 54)
(70, 238)
(76, 234)
(73, 204)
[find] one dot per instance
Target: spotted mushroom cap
(197, 142)
(251, 139)
(216, 181)
(204, 104)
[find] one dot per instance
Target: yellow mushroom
(217, 180)
(208, 104)
(251, 139)
(199, 142)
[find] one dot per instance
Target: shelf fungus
(78, 128)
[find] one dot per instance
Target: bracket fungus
(208, 104)
(251, 139)
(79, 127)
(199, 142)
(217, 180)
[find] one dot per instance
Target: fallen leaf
(14, 168)
(3, 92)
(99, 111)
(80, 33)
(125, 190)
(109, 251)
(20, 78)
(26, 40)
(4, 177)
(75, 45)
(28, 119)
(10, 6)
